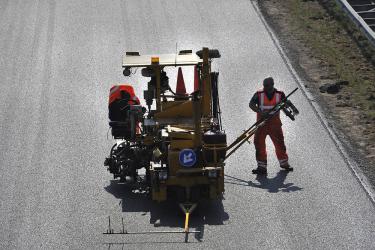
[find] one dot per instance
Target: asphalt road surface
(58, 60)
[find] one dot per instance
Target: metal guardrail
(362, 12)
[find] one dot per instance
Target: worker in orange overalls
(120, 98)
(261, 103)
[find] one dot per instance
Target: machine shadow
(168, 213)
(272, 185)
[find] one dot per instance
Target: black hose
(112, 149)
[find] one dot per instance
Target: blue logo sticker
(187, 158)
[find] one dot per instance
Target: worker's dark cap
(268, 80)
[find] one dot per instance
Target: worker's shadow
(168, 213)
(272, 185)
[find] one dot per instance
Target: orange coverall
(272, 128)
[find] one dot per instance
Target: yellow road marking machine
(178, 138)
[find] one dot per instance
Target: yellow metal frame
(190, 116)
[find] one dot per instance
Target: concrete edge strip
(356, 171)
(358, 20)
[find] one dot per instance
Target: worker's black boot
(260, 171)
(286, 167)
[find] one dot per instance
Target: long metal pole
(245, 136)
(157, 232)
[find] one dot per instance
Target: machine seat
(120, 129)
